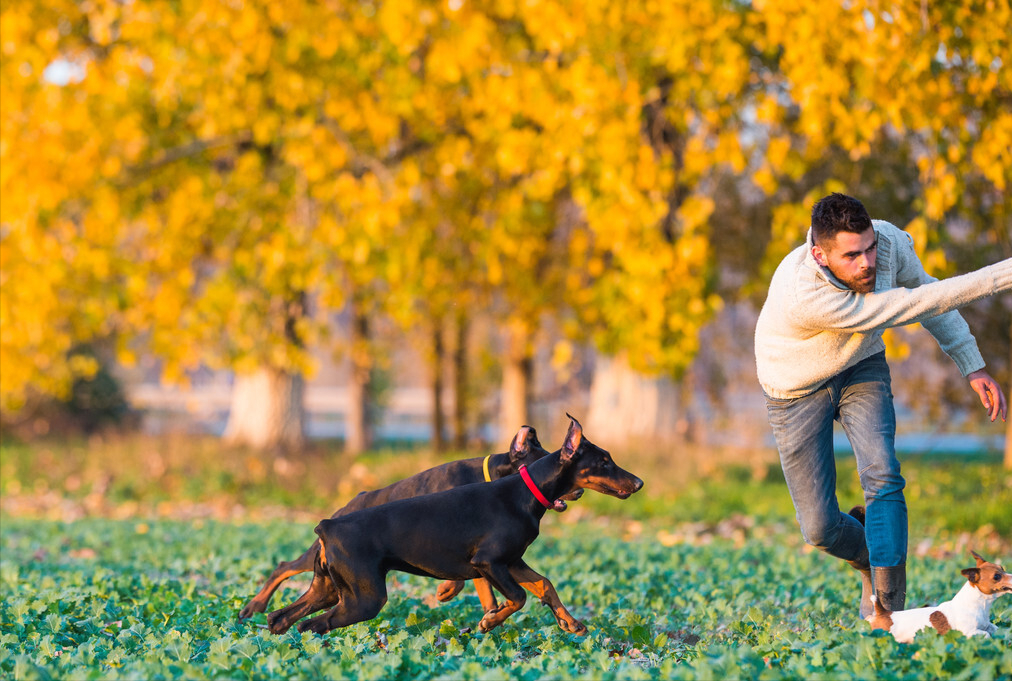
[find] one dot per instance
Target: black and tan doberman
(443, 477)
(469, 532)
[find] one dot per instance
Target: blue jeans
(861, 399)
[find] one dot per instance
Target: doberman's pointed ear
(520, 445)
(972, 574)
(980, 561)
(573, 438)
(532, 438)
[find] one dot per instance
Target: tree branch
(194, 148)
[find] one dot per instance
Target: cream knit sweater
(812, 327)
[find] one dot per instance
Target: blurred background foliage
(211, 183)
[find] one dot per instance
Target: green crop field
(702, 579)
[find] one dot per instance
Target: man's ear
(820, 255)
(972, 574)
(573, 438)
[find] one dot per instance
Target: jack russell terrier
(969, 611)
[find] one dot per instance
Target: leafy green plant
(139, 569)
(159, 598)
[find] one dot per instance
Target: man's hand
(990, 393)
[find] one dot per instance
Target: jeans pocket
(777, 412)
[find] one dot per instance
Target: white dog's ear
(972, 574)
(980, 561)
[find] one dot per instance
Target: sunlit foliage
(212, 181)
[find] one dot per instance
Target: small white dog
(969, 611)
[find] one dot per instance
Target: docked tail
(881, 618)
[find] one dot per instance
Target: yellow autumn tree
(199, 142)
(920, 89)
(861, 76)
(214, 182)
(59, 207)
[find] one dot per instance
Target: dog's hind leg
(283, 571)
(540, 586)
(450, 588)
(358, 605)
(322, 593)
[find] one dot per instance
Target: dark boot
(862, 565)
(890, 585)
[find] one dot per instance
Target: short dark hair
(838, 213)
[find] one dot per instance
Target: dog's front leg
(540, 586)
(498, 575)
(485, 594)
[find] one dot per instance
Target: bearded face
(851, 258)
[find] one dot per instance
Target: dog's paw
(276, 623)
(317, 625)
(251, 609)
(488, 622)
(576, 627)
(447, 590)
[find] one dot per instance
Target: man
(820, 358)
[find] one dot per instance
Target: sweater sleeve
(949, 330)
(823, 307)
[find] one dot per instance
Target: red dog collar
(557, 506)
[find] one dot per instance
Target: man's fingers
(985, 392)
(994, 401)
(990, 393)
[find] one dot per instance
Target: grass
(129, 557)
(136, 475)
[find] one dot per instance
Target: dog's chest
(966, 620)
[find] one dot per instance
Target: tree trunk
(438, 417)
(1008, 418)
(628, 407)
(267, 411)
(358, 430)
(518, 367)
(460, 379)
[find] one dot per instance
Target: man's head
(845, 242)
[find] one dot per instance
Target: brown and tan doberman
(443, 477)
(469, 532)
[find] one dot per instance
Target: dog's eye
(997, 577)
